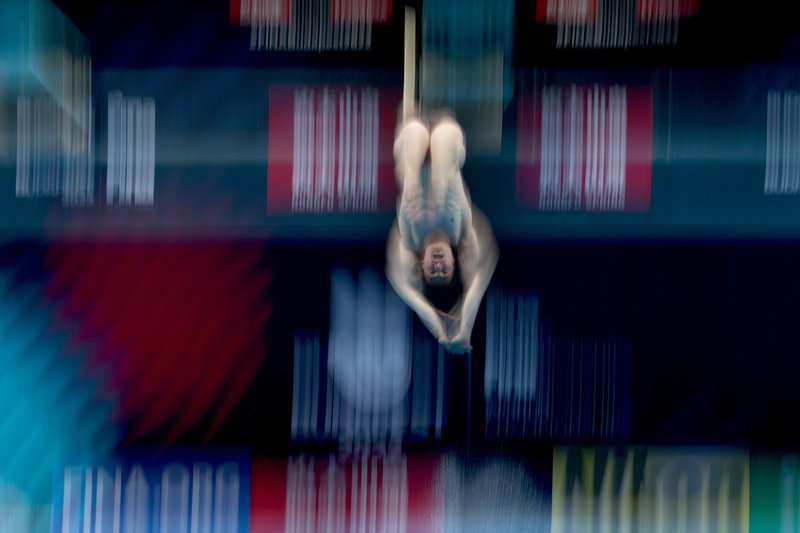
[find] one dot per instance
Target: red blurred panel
(268, 494)
(560, 129)
(374, 11)
(661, 10)
(330, 149)
(260, 12)
(180, 325)
(566, 11)
(402, 493)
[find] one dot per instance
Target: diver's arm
(477, 256)
(402, 270)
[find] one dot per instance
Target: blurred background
(196, 332)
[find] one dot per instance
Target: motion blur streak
(180, 325)
(585, 148)
(369, 356)
(465, 65)
(131, 150)
(376, 383)
(330, 149)
(783, 133)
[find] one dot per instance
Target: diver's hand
(459, 344)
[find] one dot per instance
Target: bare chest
(423, 211)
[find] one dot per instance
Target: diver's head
(438, 263)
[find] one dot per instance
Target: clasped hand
(457, 343)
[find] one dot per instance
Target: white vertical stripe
(520, 361)
(354, 475)
(310, 497)
(332, 147)
(308, 19)
(48, 133)
(789, 142)
(360, 154)
(439, 391)
(373, 495)
(785, 144)
(36, 150)
(623, 147)
(794, 175)
(112, 148)
(21, 185)
(308, 157)
(305, 396)
(66, 513)
(291, 487)
(602, 149)
(130, 150)
(316, 155)
(501, 360)
(291, 34)
(116, 184)
(403, 507)
(150, 152)
(544, 146)
(369, 17)
(354, 154)
(296, 386)
(794, 179)
(345, 177)
(87, 502)
(336, 415)
(315, 354)
(388, 488)
(788, 138)
(297, 140)
(572, 133)
(773, 137)
(559, 152)
(375, 134)
(488, 374)
(509, 377)
(340, 185)
(138, 158)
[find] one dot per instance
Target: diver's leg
(410, 152)
(447, 153)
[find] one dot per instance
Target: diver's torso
(437, 204)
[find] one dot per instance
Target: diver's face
(438, 264)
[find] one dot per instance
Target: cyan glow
(52, 411)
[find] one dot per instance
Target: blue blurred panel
(149, 490)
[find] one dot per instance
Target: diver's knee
(412, 142)
(447, 145)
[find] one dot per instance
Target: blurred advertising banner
(362, 492)
(585, 148)
(373, 382)
(305, 25)
(541, 383)
(330, 149)
(149, 491)
(650, 489)
(615, 23)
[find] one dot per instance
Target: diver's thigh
(411, 146)
(447, 144)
